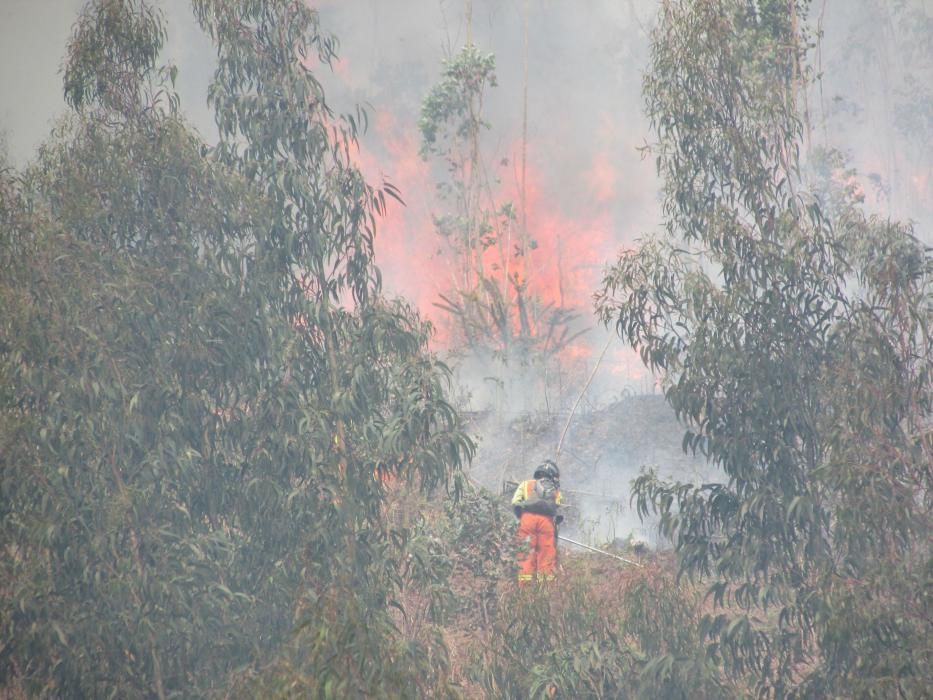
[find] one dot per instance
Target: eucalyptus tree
(492, 303)
(451, 123)
(198, 376)
(797, 349)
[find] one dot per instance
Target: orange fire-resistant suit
(537, 535)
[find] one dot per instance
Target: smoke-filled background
(589, 190)
(587, 186)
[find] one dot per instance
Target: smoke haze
(590, 193)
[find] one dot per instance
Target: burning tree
(491, 300)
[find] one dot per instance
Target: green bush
(598, 632)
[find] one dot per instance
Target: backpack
(542, 499)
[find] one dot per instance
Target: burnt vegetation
(230, 466)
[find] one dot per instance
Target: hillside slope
(603, 450)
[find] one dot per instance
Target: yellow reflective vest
(526, 492)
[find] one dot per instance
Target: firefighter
(536, 503)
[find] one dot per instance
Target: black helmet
(547, 470)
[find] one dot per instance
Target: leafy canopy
(198, 377)
(794, 341)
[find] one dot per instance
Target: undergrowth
(604, 629)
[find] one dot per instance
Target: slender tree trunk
(140, 573)
(560, 270)
(523, 192)
(468, 13)
(798, 85)
(890, 70)
(476, 108)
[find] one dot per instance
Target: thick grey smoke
(874, 102)
(585, 120)
(591, 189)
(585, 65)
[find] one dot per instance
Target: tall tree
(199, 376)
(450, 123)
(493, 305)
(798, 351)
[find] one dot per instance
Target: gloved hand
(559, 519)
(518, 511)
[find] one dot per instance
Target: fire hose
(599, 551)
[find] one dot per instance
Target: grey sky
(33, 34)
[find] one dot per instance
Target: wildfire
(407, 249)
(565, 253)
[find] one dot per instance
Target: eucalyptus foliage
(198, 376)
(493, 306)
(450, 124)
(603, 632)
(794, 341)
